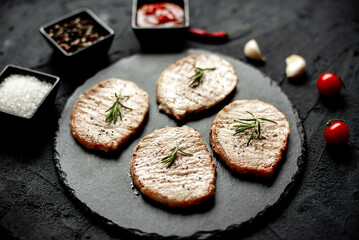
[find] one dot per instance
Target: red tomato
(329, 84)
(337, 132)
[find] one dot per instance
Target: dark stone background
(324, 204)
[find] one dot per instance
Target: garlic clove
(295, 66)
(252, 50)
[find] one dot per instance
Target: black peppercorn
(75, 34)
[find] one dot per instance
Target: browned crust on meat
(224, 153)
(117, 134)
(179, 167)
(214, 94)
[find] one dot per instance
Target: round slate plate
(102, 183)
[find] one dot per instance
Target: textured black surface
(325, 202)
(102, 183)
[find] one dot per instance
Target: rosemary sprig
(254, 125)
(196, 78)
(169, 159)
(115, 110)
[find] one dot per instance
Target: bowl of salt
(25, 92)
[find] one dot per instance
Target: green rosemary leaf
(246, 119)
(241, 130)
(243, 125)
(206, 69)
(115, 110)
(196, 78)
(185, 153)
(259, 128)
(268, 120)
(252, 134)
(252, 115)
(124, 106)
(256, 125)
(169, 159)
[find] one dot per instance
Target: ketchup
(161, 14)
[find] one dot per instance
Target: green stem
(330, 122)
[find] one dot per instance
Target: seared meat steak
(88, 117)
(189, 180)
(261, 155)
(175, 95)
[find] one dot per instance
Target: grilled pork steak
(262, 155)
(175, 95)
(188, 181)
(88, 117)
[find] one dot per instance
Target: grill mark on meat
(88, 115)
(262, 155)
(176, 97)
(189, 180)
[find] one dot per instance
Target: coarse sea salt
(21, 94)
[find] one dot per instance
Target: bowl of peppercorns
(78, 34)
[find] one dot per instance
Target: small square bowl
(160, 36)
(99, 46)
(48, 99)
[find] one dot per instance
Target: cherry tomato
(337, 133)
(329, 84)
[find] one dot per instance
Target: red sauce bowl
(159, 26)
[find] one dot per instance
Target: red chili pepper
(220, 36)
(196, 32)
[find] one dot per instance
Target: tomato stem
(341, 81)
(330, 122)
